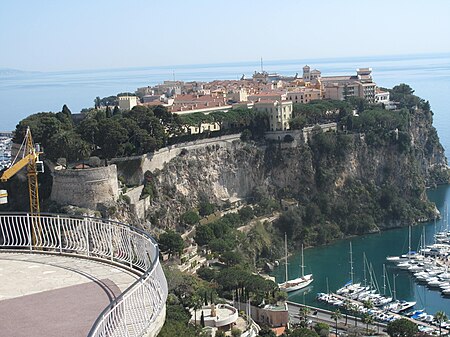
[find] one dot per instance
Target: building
(127, 102)
(382, 97)
(311, 75)
(280, 113)
(341, 87)
(304, 95)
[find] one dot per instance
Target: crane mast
(32, 174)
(30, 159)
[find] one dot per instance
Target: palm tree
(355, 312)
(440, 317)
(347, 308)
(196, 303)
(304, 312)
(368, 319)
(336, 315)
(368, 304)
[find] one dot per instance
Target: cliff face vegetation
(341, 182)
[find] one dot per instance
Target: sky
(59, 35)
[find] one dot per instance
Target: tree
(108, 112)
(172, 242)
(246, 135)
(195, 304)
(303, 312)
(336, 315)
(235, 332)
(206, 273)
(190, 217)
(205, 208)
(355, 311)
(440, 317)
(302, 332)
(97, 102)
(266, 332)
(402, 328)
(347, 308)
(202, 320)
(367, 319)
(246, 213)
(203, 235)
(322, 329)
(231, 258)
(220, 333)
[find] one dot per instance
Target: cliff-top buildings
(272, 93)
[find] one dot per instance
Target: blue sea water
(24, 93)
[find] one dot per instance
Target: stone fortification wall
(138, 206)
(85, 188)
(132, 169)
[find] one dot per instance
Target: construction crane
(30, 159)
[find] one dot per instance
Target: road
(320, 315)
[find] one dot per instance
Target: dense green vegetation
(402, 328)
(109, 133)
(185, 292)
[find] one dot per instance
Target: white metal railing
(136, 309)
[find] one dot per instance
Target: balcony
(78, 276)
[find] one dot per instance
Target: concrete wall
(85, 188)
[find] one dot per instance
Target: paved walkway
(53, 296)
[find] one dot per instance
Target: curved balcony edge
(140, 309)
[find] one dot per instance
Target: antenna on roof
(262, 69)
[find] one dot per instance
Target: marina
(393, 248)
(5, 151)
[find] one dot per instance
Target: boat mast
(394, 291)
(446, 218)
(435, 229)
(423, 242)
(351, 263)
(409, 242)
(286, 256)
(328, 288)
(303, 264)
(364, 265)
(384, 279)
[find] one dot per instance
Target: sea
(25, 93)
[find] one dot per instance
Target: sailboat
(298, 283)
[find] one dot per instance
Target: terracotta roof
(279, 331)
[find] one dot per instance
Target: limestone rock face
(326, 165)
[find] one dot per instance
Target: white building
(382, 97)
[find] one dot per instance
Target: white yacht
(298, 283)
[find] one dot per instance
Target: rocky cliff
(355, 181)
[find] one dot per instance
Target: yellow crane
(30, 159)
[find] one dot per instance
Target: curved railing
(136, 310)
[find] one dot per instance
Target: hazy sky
(85, 34)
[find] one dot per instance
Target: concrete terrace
(54, 295)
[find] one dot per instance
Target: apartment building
(280, 113)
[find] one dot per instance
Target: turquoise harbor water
(22, 94)
(332, 262)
